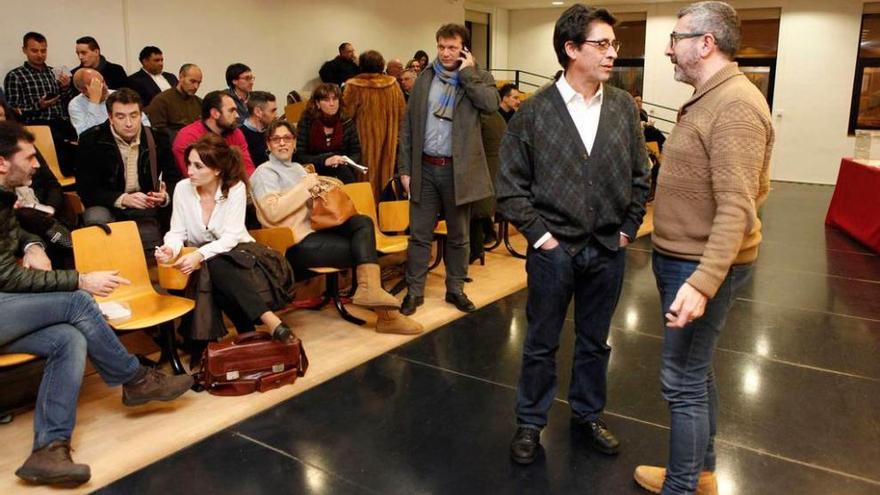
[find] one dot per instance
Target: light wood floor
(115, 440)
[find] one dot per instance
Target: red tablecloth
(855, 206)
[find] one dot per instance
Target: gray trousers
(438, 192)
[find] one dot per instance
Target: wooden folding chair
(280, 239)
(121, 250)
(294, 111)
(46, 145)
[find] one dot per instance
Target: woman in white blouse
(209, 213)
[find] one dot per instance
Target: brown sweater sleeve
(737, 151)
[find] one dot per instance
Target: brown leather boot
(651, 478)
(391, 321)
(154, 385)
(369, 291)
(52, 465)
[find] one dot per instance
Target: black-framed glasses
(673, 37)
(603, 45)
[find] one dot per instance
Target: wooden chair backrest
(46, 145)
(279, 239)
(121, 250)
(394, 215)
(294, 111)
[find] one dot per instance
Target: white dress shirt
(160, 81)
(225, 228)
(84, 114)
(585, 115)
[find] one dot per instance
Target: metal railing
(532, 80)
(523, 77)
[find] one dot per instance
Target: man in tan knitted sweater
(706, 231)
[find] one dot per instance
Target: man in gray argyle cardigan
(574, 180)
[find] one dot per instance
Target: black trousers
(235, 294)
(352, 243)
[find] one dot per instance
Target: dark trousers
(352, 243)
(594, 276)
(148, 221)
(235, 294)
(686, 372)
(438, 192)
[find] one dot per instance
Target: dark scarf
(319, 142)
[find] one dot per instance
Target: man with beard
(220, 116)
(715, 176)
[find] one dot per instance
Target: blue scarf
(449, 78)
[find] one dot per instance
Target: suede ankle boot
(369, 291)
(651, 478)
(391, 321)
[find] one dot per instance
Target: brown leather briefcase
(254, 361)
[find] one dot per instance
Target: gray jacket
(476, 94)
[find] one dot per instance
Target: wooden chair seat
(150, 310)
(9, 360)
(361, 194)
(121, 249)
(326, 269)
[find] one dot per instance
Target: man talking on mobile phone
(441, 161)
(121, 162)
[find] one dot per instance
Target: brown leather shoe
(52, 465)
(155, 385)
(651, 478)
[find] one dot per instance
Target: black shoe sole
(165, 398)
(605, 450)
(64, 479)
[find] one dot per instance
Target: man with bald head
(394, 68)
(175, 108)
(87, 109)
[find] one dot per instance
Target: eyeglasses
(282, 139)
(603, 45)
(673, 37)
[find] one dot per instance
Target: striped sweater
(715, 175)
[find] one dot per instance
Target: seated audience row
(52, 314)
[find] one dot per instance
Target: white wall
(818, 45)
(284, 42)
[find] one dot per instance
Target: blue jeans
(594, 277)
(62, 327)
(686, 372)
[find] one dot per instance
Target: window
(629, 68)
(865, 108)
(757, 52)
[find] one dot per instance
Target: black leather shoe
(410, 303)
(282, 333)
(599, 436)
(525, 445)
(461, 302)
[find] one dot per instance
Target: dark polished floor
(798, 370)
